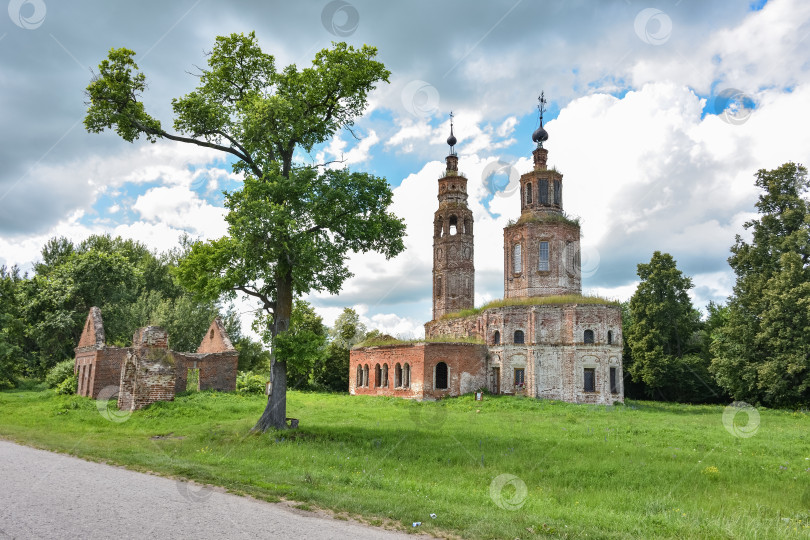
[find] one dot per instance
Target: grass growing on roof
(388, 340)
(533, 301)
(544, 217)
(644, 470)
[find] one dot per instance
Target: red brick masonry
(149, 371)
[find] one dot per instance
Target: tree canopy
(762, 351)
(292, 225)
(663, 335)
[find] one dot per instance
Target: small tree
(291, 227)
(661, 335)
(303, 345)
(348, 331)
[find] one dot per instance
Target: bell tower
(453, 269)
(541, 250)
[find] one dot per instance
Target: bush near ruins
(248, 382)
(68, 386)
(58, 373)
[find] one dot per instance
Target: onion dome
(540, 135)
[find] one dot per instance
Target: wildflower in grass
(711, 472)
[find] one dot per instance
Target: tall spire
(451, 140)
(540, 134)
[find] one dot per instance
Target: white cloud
(181, 208)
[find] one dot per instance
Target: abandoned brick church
(149, 371)
(544, 340)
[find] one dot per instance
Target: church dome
(540, 135)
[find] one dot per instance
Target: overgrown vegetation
(383, 340)
(42, 315)
(58, 373)
(547, 217)
(644, 470)
(532, 301)
(248, 382)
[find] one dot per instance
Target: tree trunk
(275, 414)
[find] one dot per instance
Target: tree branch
(269, 305)
(230, 150)
(324, 164)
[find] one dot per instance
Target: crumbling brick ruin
(545, 341)
(149, 371)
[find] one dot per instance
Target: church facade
(543, 340)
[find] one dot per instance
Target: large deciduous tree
(291, 227)
(762, 351)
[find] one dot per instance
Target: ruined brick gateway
(149, 371)
(554, 344)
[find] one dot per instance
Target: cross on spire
(451, 140)
(540, 134)
(542, 105)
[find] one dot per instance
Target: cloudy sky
(660, 113)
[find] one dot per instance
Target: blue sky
(659, 115)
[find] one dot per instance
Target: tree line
(42, 315)
(756, 347)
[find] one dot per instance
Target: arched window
(588, 338)
(542, 264)
(518, 337)
(529, 193)
(557, 193)
(610, 337)
(439, 227)
(359, 380)
(438, 286)
(453, 225)
(440, 377)
(543, 186)
(377, 376)
(397, 376)
(365, 375)
(385, 376)
(496, 338)
(406, 376)
(468, 226)
(517, 263)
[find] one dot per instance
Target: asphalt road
(48, 495)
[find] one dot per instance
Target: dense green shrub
(248, 382)
(59, 373)
(69, 385)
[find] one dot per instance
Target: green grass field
(503, 468)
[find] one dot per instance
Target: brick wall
(147, 375)
(215, 339)
(93, 333)
(563, 275)
(391, 355)
(466, 363)
(553, 355)
(217, 370)
(148, 371)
